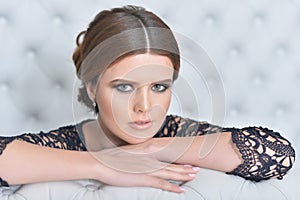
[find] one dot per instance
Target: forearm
(215, 151)
(22, 163)
(254, 153)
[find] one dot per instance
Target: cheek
(105, 102)
(116, 110)
(113, 107)
(113, 103)
(160, 107)
(162, 100)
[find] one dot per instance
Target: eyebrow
(132, 82)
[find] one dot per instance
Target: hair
(153, 36)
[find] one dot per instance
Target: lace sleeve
(4, 141)
(184, 127)
(63, 138)
(265, 153)
(67, 137)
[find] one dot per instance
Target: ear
(91, 91)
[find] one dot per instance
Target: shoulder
(71, 132)
(176, 125)
(183, 121)
(177, 119)
(71, 128)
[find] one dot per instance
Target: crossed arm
(23, 162)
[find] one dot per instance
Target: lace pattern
(183, 127)
(4, 141)
(265, 153)
(3, 183)
(63, 138)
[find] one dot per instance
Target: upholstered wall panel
(254, 44)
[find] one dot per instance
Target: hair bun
(77, 57)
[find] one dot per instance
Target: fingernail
(187, 165)
(196, 169)
(192, 175)
(182, 189)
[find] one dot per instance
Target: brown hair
(122, 27)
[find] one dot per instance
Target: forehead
(140, 66)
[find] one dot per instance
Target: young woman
(127, 61)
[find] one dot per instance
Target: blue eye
(124, 88)
(160, 87)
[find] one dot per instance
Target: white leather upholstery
(255, 45)
(207, 185)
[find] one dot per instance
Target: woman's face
(133, 96)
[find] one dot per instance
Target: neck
(110, 139)
(98, 137)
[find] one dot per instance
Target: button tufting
(280, 110)
(7, 191)
(259, 19)
(33, 117)
(281, 50)
(3, 20)
(57, 19)
(92, 187)
(253, 42)
(210, 20)
(4, 86)
(258, 79)
(58, 84)
(234, 51)
(233, 112)
(31, 53)
(211, 81)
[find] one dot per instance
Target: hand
(122, 168)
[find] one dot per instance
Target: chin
(137, 140)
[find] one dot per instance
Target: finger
(133, 180)
(165, 185)
(173, 175)
(189, 169)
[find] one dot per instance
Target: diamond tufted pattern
(254, 44)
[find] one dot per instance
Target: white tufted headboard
(255, 45)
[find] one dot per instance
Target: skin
(147, 95)
(120, 154)
(137, 88)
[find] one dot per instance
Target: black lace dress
(265, 153)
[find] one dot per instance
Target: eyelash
(118, 87)
(165, 87)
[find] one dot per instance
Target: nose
(142, 102)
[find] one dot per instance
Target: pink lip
(141, 124)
